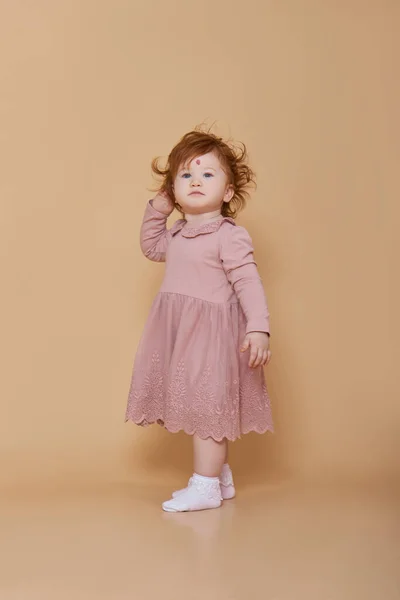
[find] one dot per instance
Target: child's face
(202, 186)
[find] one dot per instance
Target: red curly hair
(233, 159)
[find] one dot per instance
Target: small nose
(195, 182)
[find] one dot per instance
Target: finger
(253, 356)
(265, 358)
(268, 357)
(259, 358)
(245, 345)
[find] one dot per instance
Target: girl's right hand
(163, 203)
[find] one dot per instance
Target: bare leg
(210, 463)
(204, 489)
(209, 456)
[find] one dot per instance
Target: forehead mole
(198, 161)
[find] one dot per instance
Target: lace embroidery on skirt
(208, 407)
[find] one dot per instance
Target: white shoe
(202, 493)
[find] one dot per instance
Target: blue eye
(186, 175)
(208, 175)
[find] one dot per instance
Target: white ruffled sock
(202, 493)
(226, 482)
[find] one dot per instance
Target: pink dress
(189, 373)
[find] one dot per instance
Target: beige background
(91, 91)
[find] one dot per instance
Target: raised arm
(154, 235)
(241, 270)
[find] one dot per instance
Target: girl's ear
(229, 193)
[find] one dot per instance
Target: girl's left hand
(258, 342)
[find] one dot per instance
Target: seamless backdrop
(91, 91)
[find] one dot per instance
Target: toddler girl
(199, 365)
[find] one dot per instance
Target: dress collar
(191, 232)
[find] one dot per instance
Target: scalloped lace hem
(143, 422)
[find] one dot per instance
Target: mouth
(196, 194)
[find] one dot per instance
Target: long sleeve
(154, 235)
(237, 258)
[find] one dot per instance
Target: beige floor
(282, 542)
